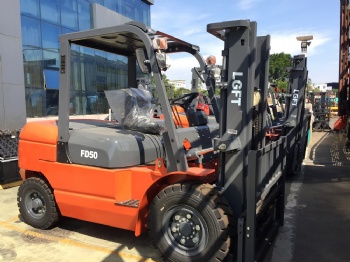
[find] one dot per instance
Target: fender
(193, 175)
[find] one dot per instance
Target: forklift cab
(139, 138)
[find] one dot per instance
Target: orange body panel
(37, 141)
(204, 107)
(92, 193)
(340, 124)
(179, 116)
(45, 132)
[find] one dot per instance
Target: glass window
(84, 15)
(69, 14)
(75, 72)
(30, 7)
(50, 11)
(85, 73)
(144, 13)
(101, 2)
(111, 57)
(51, 78)
(120, 7)
(35, 102)
(66, 30)
(138, 10)
(32, 54)
(111, 71)
(101, 73)
(75, 49)
(111, 4)
(33, 68)
(99, 54)
(130, 10)
(51, 58)
(33, 80)
(122, 72)
(122, 59)
(50, 34)
(51, 102)
(87, 51)
(31, 35)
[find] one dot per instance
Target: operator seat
(196, 118)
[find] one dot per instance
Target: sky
(283, 20)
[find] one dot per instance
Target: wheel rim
(35, 204)
(185, 230)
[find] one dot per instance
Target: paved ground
(72, 239)
(317, 220)
(323, 217)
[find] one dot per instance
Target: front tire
(37, 204)
(189, 222)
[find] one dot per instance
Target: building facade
(42, 21)
(178, 83)
(322, 87)
(12, 101)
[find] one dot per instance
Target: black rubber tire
(36, 203)
(195, 214)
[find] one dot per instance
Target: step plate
(129, 203)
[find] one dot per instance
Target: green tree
(180, 91)
(282, 85)
(169, 88)
(217, 92)
(278, 64)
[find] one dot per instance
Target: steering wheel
(184, 100)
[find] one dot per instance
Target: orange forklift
(213, 191)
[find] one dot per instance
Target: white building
(178, 83)
(322, 87)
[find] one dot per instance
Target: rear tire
(189, 222)
(37, 204)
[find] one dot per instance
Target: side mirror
(143, 60)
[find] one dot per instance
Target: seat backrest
(196, 118)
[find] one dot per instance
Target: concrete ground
(317, 220)
(317, 217)
(71, 240)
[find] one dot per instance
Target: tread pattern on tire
(210, 197)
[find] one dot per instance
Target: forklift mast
(297, 88)
(251, 174)
(236, 104)
(297, 118)
(244, 69)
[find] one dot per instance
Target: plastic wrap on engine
(133, 109)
